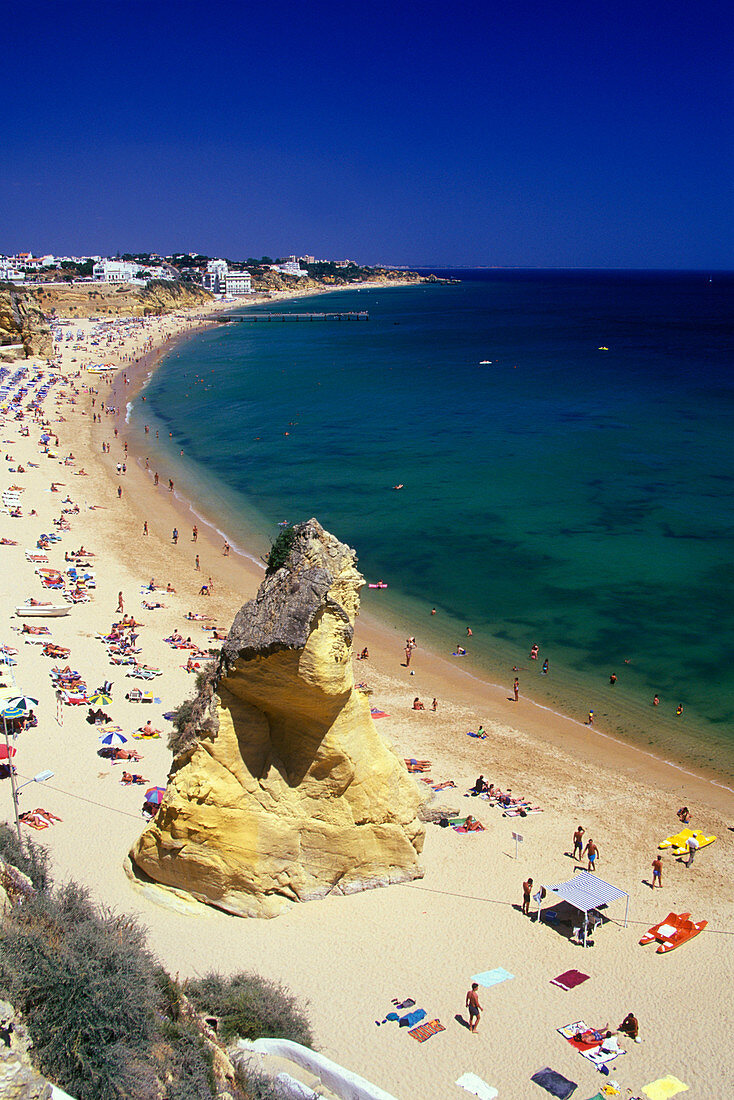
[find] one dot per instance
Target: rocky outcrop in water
(283, 790)
(22, 322)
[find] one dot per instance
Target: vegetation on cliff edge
(107, 1022)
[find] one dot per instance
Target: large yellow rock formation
(285, 790)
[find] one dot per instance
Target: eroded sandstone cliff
(285, 790)
(22, 322)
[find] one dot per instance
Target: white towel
(477, 1086)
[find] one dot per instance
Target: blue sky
(509, 134)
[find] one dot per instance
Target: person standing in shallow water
(516, 689)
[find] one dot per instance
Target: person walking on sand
(120, 604)
(692, 845)
(145, 527)
(194, 533)
(578, 842)
(657, 872)
(475, 1009)
(225, 549)
(527, 890)
(516, 689)
(592, 853)
(174, 537)
(197, 567)
(408, 655)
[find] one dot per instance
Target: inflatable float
(677, 928)
(378, 584)
(679, 842)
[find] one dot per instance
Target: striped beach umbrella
(113, 738)
(100, 698)
(22, 702)
(155, 795)
(9, 713)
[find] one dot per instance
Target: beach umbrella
(9, 713)
(155, 795)
(100, 698)
(7, 752)
(22, 702)
(113, 738)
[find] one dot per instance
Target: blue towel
(412, 1018)
(492, 977)
(554, 1083)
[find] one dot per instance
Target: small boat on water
(41, 610)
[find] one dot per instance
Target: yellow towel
(664, 1088)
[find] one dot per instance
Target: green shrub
(84, 981)
(250, 1007)
(257, 1085)
(280, 550)
(28, 857)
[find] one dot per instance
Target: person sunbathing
(417, 705)
(684, 814)
(148, 731)
(137, 780)
(471, 825)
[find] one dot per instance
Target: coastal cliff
(123, 300)
(282, 790)
(22, 323)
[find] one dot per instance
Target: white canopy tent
(585, 892)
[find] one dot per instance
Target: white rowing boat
(41, 611)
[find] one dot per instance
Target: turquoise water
(560, 495)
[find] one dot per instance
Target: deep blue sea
(557, 494)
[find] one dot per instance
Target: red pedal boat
(677, 928)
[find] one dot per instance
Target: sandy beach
(348, 958)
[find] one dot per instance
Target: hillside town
(221, 277)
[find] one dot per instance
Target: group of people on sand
(630, 1025)
(418, 705)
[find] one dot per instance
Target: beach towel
(477, 1086)
(377, 713)
(554, 1083)
(425, 1031)
(477, 827)
(488, 978)
(570, 1031)
(664, 1088)
(599, 1056)
(408, 1003)
(412, 1018)
(569, 979)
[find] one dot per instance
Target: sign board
(518, 838)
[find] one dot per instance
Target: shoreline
(472, 684)
(344, 957)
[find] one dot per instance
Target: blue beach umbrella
(13, 712)
(113, 738)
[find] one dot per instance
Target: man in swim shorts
(592, 852)
(472, 1003)
(527, 889)
(578, 842)
(657, 872)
